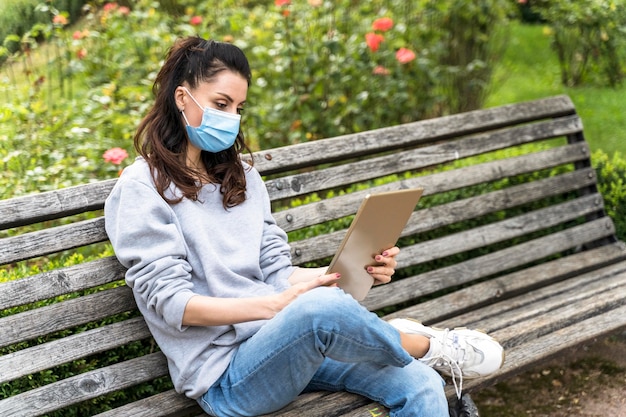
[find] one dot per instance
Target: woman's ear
(180, 98)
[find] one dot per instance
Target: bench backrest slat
(61, 281)
(74, 347)
(293, 157)
(65, 315)
(52, 205)
(340, 206)
(415, 159)
(321, 246)
(485, 265)
(85, 386)
(53, 240)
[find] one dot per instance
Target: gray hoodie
(174, 252)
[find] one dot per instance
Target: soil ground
(589, 381)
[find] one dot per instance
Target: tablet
(377, 226)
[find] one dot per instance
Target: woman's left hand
(385, 266)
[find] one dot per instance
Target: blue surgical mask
(217, 131)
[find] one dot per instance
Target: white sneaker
(459, 353)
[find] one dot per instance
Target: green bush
(315, 75)
(17, 17)
(588, 37)
(612, 185)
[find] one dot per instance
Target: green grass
(530, 70)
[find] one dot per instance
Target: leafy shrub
(19, 16)
(612, 185)
(588, 37)
(315, 75)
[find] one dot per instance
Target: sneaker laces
(442, 359)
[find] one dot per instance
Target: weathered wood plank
(65, 315)
(413, 159)
(427, 131)
(84, 387)
(165, 404)
(518, 359)
(524, 356)
(501, 231)
(45, 356)
(412, 288)
(47, 241)
(344, 205)
(321, 246)
(507, 286)
(536, 312)
(51, 205)
(60, 281)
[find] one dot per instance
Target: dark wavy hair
(161, 138)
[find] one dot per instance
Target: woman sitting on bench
(243, 330)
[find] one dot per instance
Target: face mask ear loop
(192, 97)
(185, 117)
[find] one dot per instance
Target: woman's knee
(323, 303)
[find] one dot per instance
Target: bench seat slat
(470, 298)
(60, 281)
(518, 358)
(341, 206)
(523, 356)
(85, 386)
(292, 157)
(65, 315)
(414, 159)
(40, 357)
(544, 306)
(165, 404)
(412, 288)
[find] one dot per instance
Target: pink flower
(115, 155)
(124, 10)
(383, 24)
(81, 53)
(404, 55)
(373, 40)
(110, 6)
(77, 35)
(380, 70)
(195, 20)
(281, 3)
(59, 19)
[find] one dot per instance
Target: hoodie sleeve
(275, 256)
(147, 240)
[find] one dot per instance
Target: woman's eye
(239, 110)
(221, 105)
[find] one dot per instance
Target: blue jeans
(325, 340)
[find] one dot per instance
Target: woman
(243, 330)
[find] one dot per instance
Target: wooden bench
(510, 236)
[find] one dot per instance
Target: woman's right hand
(286, 297)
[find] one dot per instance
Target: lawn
(530, 70)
